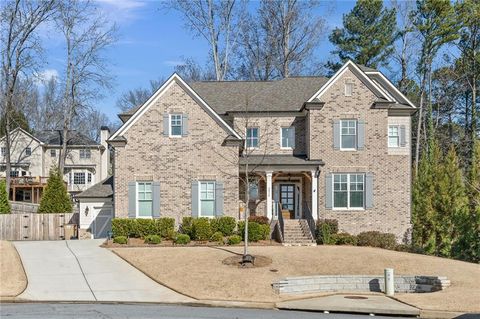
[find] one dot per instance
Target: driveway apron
(82, 271)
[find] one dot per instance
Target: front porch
(282, 187)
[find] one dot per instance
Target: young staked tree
(20, 49)
(450, 204)
(367, 35)
(435, 22)
(55, 198)
(4, 203)
(87, 36)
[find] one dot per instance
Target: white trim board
(175, 78)
(390, 84)
(339, 73)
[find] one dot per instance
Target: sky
(151, 42)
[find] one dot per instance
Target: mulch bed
(236, 261)
(138, 242)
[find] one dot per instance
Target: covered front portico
(282, 186)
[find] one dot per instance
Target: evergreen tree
(17, 119)
(55, 199)
(4, 204)
(468, 245)
(367, 35)
(450, 204)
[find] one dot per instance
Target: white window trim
(200, 198)
(281, 137)
(398, 136)
(246, 139)
(54, 151)
(170, 125)
(356, 136)
(348, 192)
(137, 201)
(30, 151)
(348, 82)
(71, 177)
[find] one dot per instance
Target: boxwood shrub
(124, 227)
(140, 228)
(234, 240)
(344, 239)
(181, 239)
(187, 226)
(202, 230)
(377, 239)
(120, 240)
(217, 237)
(256, 231)
(165, 227)
(153, 239)
(325, 229)
(225, 224)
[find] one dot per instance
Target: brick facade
(176, 162)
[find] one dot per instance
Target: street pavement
(79, 270)
(147, 311)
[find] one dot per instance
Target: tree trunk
(419, 124)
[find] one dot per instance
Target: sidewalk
(82, 271)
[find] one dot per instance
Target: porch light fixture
(86, 211)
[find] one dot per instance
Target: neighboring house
(318, 148)
(32, 157)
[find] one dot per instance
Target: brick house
(315, 148)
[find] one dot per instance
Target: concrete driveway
(82, 271)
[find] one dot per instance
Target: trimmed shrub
(325, 228)
(344, 239)
(201, 229)
(187, 226)
(377, 239)
(145, 227)
(217, 237)
(410, 249)
(165, 227)
(4, 203)
(55, 198)
(153, 239)
(256, 231)
(225, 224)
(182, 239)
(234, 240)
(265, 230)
(124, 227)
(120, 240)
(259, 219)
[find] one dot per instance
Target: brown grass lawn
(199, 272)
(12, 277)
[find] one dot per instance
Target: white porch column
(314, 195)
(269, 194)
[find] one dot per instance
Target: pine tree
(450, 204)
(55, 199)
(4, 204)
(367, 35)
(468, 245)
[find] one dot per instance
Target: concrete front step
(297, 233)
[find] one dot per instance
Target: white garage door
(103, 222)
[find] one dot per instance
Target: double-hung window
(348, 134)
(85, 153)
(207, 199)
(13, 173)
(79, 178)
(4, 151)
(252, 137)
(349, 191)
(176, 125)
(145, 199)
(53, 153)
(28, 151)
(393, 136)
(288, 137)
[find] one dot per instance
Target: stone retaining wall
(312, 284)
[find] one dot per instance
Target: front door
(287, 199)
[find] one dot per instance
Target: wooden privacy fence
(33, 226)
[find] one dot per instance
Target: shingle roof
(104, 189)
(366, 68)
(55, 137)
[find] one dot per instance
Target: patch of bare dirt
(12, 277)
(237, 261)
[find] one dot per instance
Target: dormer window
(348, 87)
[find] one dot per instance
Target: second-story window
(53, 153)
(176, 125)
(252, 137)
(4, 151)
(86, 153)
(79, 178)
(348, 134)
(288, 137)
(393, 136)
(348, 88)
(28, 151)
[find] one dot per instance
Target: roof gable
(21, 130)
(390, 87)
(360, 74)
(175, 78)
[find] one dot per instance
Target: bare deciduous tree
(87, 35)
(20, 49)
(136, 97)
(216, 22)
